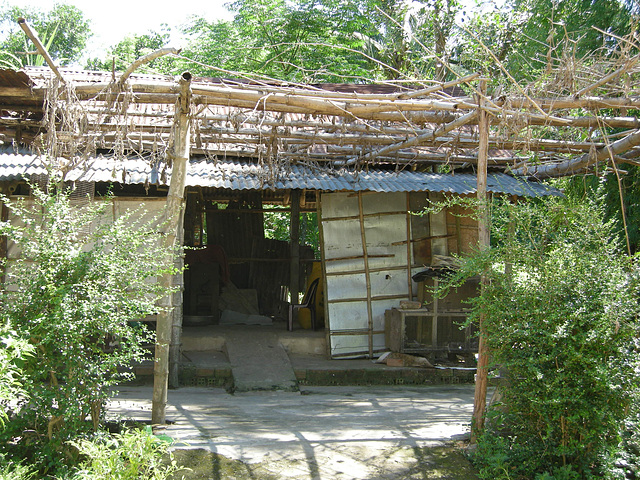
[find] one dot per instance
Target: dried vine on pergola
(548, 129)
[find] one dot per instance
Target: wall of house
(372, 243)
(367, 265)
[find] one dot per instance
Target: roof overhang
(241, 175)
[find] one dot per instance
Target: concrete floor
(335, 433)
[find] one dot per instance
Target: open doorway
(239, 254)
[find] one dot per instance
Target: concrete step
(213, 337)
(259, 362)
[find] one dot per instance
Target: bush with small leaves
(81, 281)
(560, 313)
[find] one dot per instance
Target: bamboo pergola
(421, 125)
(570, 124)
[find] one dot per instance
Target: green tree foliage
(327, 40)
(529, 36)
(277, 226)
(561, 317)
(131, 455)
(13, 351)
(63, 29)
(606, 190)
(74, 294)
(298, 42)
(129, 49)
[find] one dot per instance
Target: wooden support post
(177, 311)
(175, 200)
(323, 260)
(366, 273)
(4, 245)
(434, 319)
(294, 247)
(480, 398)
(409, 249)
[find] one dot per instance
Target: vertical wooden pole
(177, 313)
(327, 319)
(4, 245)
(175, 200)
(365, 254)
(409, 249)
(435, 318)
(480, 397)
(294, 247)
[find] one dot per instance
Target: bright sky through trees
(111, 21)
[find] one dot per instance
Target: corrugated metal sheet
(249, 176)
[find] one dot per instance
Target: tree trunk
(169, 230)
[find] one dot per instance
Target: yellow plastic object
(304, 315)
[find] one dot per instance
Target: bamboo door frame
(366, 271)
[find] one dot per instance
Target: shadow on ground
(444, 462)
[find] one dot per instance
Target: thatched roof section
(337, 126)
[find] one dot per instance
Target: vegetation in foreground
(560, 312)
(67, 319)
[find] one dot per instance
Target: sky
(112, 20)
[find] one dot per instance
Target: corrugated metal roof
(250, 176)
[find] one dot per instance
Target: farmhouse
(224, 154)
(372, 237)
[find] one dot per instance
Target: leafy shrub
(13, 350)
(561, 317)
(131, 455)
(81, 280)
(12, 471)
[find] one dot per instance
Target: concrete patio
(337, 433)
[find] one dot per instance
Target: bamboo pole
(308, 100)
(325, 276)
(415, 140)
(4, 245)
(175, 352)
(480, 396)
(568, 103)
(160, 93)
(175, 199)
(607, 78)
(33, 36)
(433, 138)
(436, 88)
(409, 246)
(582, 162)
(365, 256)
(294, 247)
(150, 57)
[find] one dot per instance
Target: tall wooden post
(480, 398)
(175, 200)
(177, 313)
(294, 247)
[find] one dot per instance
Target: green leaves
(562, 322)
(75, 295)
(129, 49)
(63, 30)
